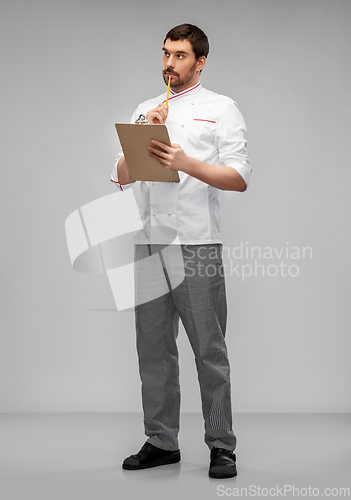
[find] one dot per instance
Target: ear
(200, 63)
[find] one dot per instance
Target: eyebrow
(177, 52)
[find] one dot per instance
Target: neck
(186, 86)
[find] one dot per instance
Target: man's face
(180, 64)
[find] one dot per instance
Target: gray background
(70, 70)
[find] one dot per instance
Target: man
(208, 149)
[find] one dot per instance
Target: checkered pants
(200, 302)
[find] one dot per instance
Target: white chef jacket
(210, 128)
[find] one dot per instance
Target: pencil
(169, 84)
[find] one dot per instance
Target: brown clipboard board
(134, 139)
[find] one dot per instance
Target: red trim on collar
(182, 93)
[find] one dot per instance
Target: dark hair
(195, 36)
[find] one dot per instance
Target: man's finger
(161, 160)
(161, 145)
(157, 152)
(157, 116)
(163, 110)
(164, 114)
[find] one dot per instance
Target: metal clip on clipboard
(141, 120)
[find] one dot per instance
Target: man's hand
(171, 157)
(157, 115)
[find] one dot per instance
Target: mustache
(170, 72)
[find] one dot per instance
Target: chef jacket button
(154, 213)
(182, 126)
(169, 213)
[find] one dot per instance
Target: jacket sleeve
(114, 173)
(231, 141)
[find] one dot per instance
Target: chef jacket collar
(189, 92)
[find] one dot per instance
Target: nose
(170, 62)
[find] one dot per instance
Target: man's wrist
(190, 165)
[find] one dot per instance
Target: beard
(177, 81)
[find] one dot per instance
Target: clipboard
(134, 138)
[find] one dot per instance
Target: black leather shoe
(222, 463)
(151, 456)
